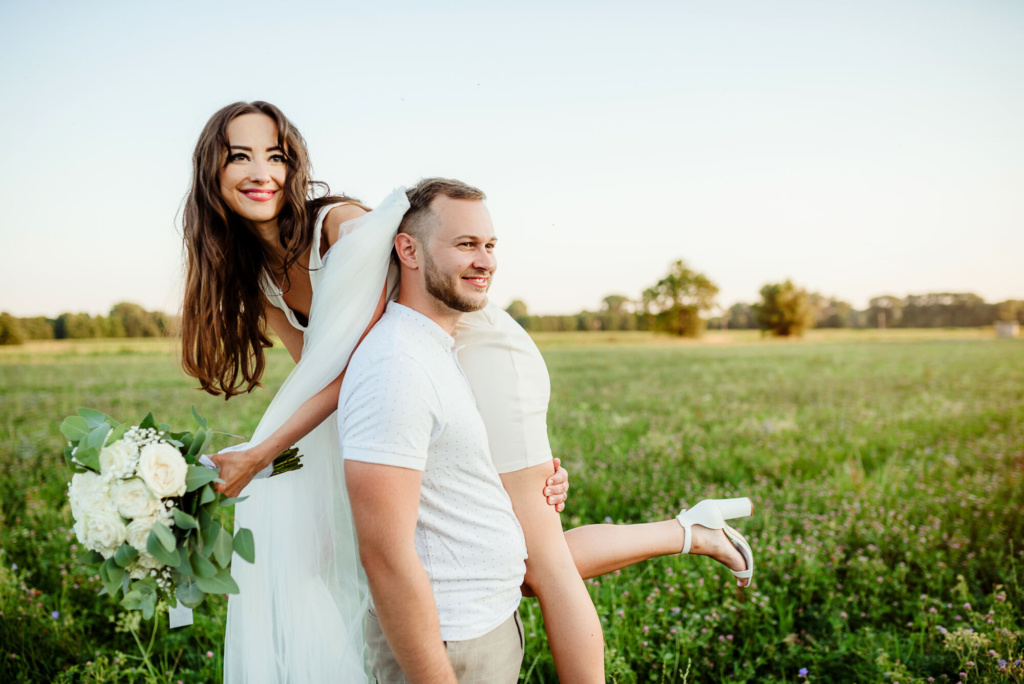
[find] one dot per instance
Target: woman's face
(254, 170)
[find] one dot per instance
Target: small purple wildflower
(55, 615)
(802, 672)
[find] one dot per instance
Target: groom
(443, 551)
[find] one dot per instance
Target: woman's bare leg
(570, 620)
(600, 549)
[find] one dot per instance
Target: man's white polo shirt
(406, 403)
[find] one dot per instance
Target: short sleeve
(389, 412)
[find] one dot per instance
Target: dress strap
(316, 262)
(270, 288)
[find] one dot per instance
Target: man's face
(458, 260)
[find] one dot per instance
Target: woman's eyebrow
(275, 148)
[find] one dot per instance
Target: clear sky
(858, 148)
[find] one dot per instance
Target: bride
(267, 245)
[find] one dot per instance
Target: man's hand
(557, 487)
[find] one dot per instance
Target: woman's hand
(237, 469)
(557, 487)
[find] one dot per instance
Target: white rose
(88, 493)
(164, 469)
(133, 498)
(103, 531)
(138, 532)
(119, 459)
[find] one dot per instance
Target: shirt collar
(432, 329)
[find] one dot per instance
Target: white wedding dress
(299, 615)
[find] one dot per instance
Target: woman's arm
(237, 468)
(574, 631)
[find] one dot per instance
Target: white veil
(299, 615)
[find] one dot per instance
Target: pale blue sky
(859, 148)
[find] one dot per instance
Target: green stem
(153, 675)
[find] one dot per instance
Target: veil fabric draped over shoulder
(299, 616)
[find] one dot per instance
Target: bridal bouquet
(148, 513)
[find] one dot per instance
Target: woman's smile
(260, 195)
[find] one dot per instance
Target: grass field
(887, 471)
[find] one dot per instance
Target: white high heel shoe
(712, 514)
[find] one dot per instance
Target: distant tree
(616, 304)
(11, 331)
(831, 312)
(77, 326)
(133, 320)
(1010, 310)
(741, 317)
(617, 313)
(678, 300)
(37, 328)
(784, 310)
(885, 312)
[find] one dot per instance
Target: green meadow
(887, 471)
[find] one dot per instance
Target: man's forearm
(404, 601)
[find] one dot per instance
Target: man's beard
(443, 288)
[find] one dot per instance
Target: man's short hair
(419, 221)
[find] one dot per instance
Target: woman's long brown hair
(223, 327)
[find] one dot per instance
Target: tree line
(680, 303)
(124, 320)
(683, 303)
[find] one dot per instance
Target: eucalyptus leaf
(132, 600)
(208, 495)
(164, 535)
(221, 583)
(205, 518)
(182, 440)
(97, 437)
(232, 500)
(89, 457)
(118, 433)
(189, 593)
(199, 418)
(148, 607)
(222, 548)
(75, 428)
(90, 558)
(148, 422)
(244, 545)
(210, 534)
(198, 476)
(184, 564)
(111, 575)
(197, 443)
(157, 550)
(184, 521)
(202, 567)
(93, 417)
(125, 555)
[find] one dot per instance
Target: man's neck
(423, 303)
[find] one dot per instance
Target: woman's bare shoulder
(337, 216)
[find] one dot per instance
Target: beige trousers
(494, 658)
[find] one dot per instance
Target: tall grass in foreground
(887, 478)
